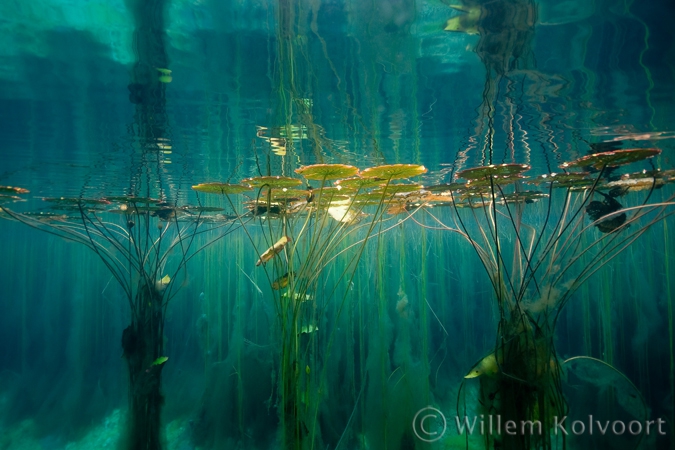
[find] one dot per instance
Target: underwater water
(325, 224)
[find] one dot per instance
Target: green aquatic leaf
(159, 361)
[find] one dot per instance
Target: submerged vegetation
(538, 247)
(340, 301)
(537, 256)
(145, 244)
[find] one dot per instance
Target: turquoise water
(147, 99)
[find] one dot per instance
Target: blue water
(114, 98)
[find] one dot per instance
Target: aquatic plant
(538, 248)
(145, 244)
(308, 242)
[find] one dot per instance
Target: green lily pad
(612, 159)
(284, 194)
(132, 199)
(272, 182)
(493, 170)
(327, 171)
(220, 188)
(76, 201)
(202, 209)
(522, 197)
(398, 188)
(445, 187)
(394, 171)
(563, 179)
(485, 184)
(358, 183)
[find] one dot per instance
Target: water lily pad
(398, 188)
(13, 190)
(4, 198)
(493, 170)
(612, 159)
(221, 188)
(358, 183)
(394, 171)
(487, 182)
(627, 183)
(372, 198)
(202, 209)
(327, 171)
(284, 194)
(522, 197)
(445, 187)
(46, 216)
(272, 182)
(564, 179)
(76, 201)
(132, 199)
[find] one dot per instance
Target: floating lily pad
(493, 170)
(522, 197)
(445, 187)
(563, 179)
(635, 184)
(372, 198)
(221, 188)
(397, 208)
(398, 188)
(132, 199)
(272, 182)
(76, 201)
(202, 209)
(45, 216)
(394, 171)
(327, 171)
(612, 159)
(284, 194)
(329, 192)
(434, 198)
(13, 190)
(358, 183)
(10, 198)
(496, 180)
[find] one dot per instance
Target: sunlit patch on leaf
(327, 171)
